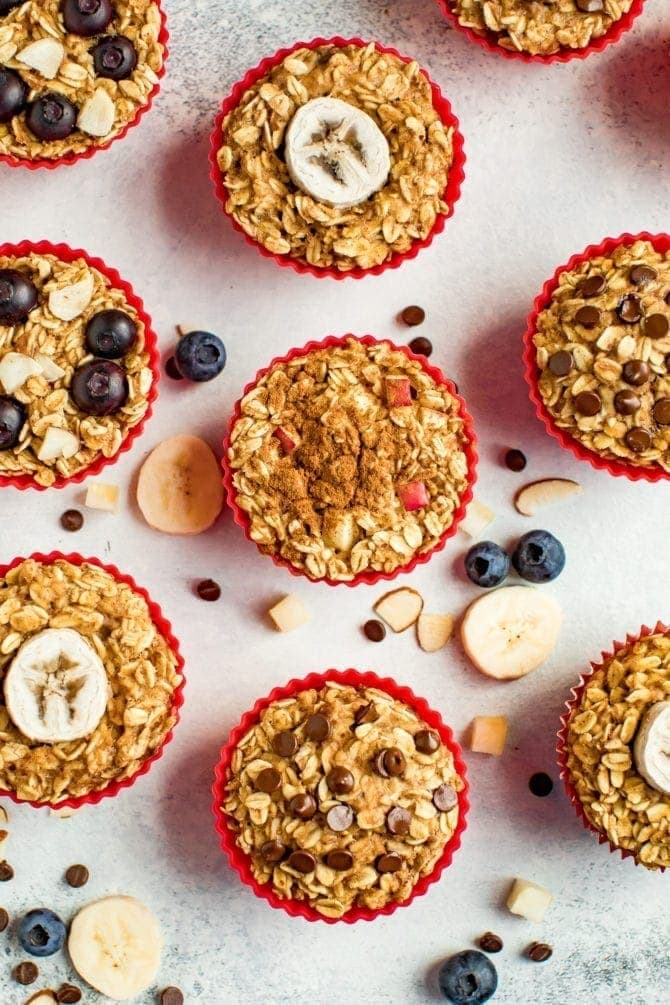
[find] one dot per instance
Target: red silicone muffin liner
(73, 158)
(572, 703)
(67, 254)
(633, 472)
(488, 40)
(452, 192)
(241, 862)
(164, 628)
(368, 576)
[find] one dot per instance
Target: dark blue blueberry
(487, 564)
(18, 296)
(99, 387)
(13, 94)
(52, 116)
(87, 17)
(468, 978)
(41, 932)
(115, 57)
(12, 418)
(110, 334)
(538, 557)
(200, 356)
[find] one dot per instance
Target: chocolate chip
(515, 460)
(268, 780)
(540, 784)
(445, 798)
(374, 630)
(591, 6)
(490, 942)
(656, 326)
(638, 440)
(421, 346)
(172, 996)
(636, 372)
(391, 862)
(626, 402)
(340, 817)
(642, 275)
(273, 851)
(317, 727)
(588, 316)
(427, 741)
(76, 876)
(68, 994)
(587, 403)
(366, 713)
(207, 589)
(630, 309)
(561, 363)
(25, 973)
(72, 520)
(379, 762)
(539, 952)
(394, 762)
(302, 861)
(171, 369)
(398, 820)
(303, 806)
(4, 919)
(591, 286)
(413, 315)
(340, 861)
(6, 872)
(661, 412)
(285, 743)
(340, 781)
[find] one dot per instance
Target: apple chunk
(398, 392)
(412, 495)
(288, 441)
(400, 608)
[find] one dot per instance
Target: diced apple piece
(400, 609)
(15, 369)
(533, 497)
(43, 998)
(339, 530)
(478, 517)
(289, 442)
(68, 302)
(412, 495)
(433, 631)
(398, 391)
(45, 55)
(97, 114)
(289, 613)
(528, 900)
(50, 370)
(488, 734)
(57, 443)
(104, 497)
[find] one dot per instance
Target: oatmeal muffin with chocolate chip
(603, 354)
(348, 458)
(342, 797)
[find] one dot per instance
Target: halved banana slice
(652, 747)
(511, 631)
(336, 152)
(56, 688)
(115, 944)
(180, 489)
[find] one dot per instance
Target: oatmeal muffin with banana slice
(342, 797)
(88, 680)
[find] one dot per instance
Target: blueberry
(538, 557)
(87, 17)
(18, 296)
(468, 978)
(7, 5)
(13, 94)
(110, 334)
(200, 356)
(52, 116)
(115, 57)
(487, 564)
(41, 932)
(99, 387)
(12, 418)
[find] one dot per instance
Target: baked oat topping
(342, 797)
(599, 750)
(39, 357)
(541, 26)
(274, 211)
(79, 90)
(603, 351)
(348, 458)
(140, 665)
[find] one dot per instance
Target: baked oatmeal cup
(349, 460)
(78, 365)
(91, 680)
(75, 75)
(337, 157)
(340, 797)
(614, 748)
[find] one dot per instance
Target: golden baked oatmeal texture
(269, 207)
(616, 798)
(333, 506)
(542, 26)
(342, 797)
(141, 669)
(603, 352)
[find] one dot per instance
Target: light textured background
(558, 158)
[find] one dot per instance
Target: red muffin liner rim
(68, 254)
(165, 629)
(571, 704)
(367, 576)
(451, 194)
(240, 861)
(619, 468)
(488, 40)
(71, 158)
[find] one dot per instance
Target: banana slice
(652, 747)
(56, 688)
(180, 490)
(336, 152)
(115, 944)
(511, 631)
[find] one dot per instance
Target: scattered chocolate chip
(587, 403)
(445, 798)
(302, 861)
(72, 520)
(630, 309)
(421, 346)
(427, 741)
(273, 851)
(398, 820)
(391, 862)
(638, 440)
(591, 286)
(303, 806)
(25, 973)
(317, 727)
(540, 784)
(642, 275)
(374, 630)
(366, 713)
(285, 743)
(561, 363)
(207, 589)
(636, 372)
(340, 861)
(656, 326)
(490, 942)
(268, 780)
(340, 817)
(6, 872)
(588, 316)
(626, 402)
(171, 369)
(515, 460)
(394, 762)
(661, 412)
(539, 952)
(172, 996)
(340, 780)
(68, 994)
(76, 876)
(413, 315)
(4, 919)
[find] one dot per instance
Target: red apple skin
(413, 495)
(398, 392)
(287, 442)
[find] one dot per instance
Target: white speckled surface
(558, 158)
